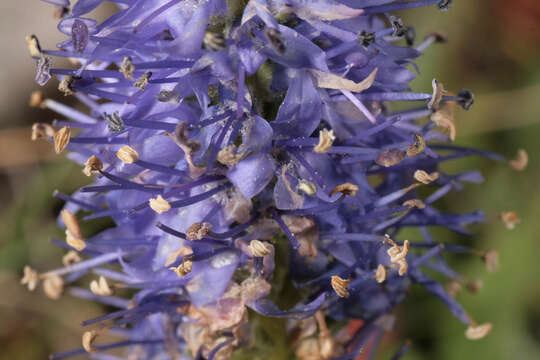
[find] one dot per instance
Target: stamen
(424, 177)
(159, 204)
(36, 99)
(491, 260)
(114, 122)
(82, 204)
(61, 139)
(127, 68)
(510, 219)
(259, 248)
(198, 230)
(390, 157)
(476, 332)
(228, 156)
(326, 139)
(398, 28)
(143, 81)
(183, 269)
(43, 66)
(444, 117)
(307, 187)
(466, 99)
(366, 38)
(345, 189)
(418, 146)
(92, 166)
(438, 91)
(340, 286)
(33, 46)
(65, 86)
(380, 274)
(430, 39)
(70, 258)
(521, 161)
(199, 197)
(88, 339)
(415, 203)
(127, 154)
(74, 236)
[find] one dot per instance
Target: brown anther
(30, 278)
(438, 91)
(61, 139)
(198, 230)
(345, 189)
(65, 85)
(424, 177)
(326, 139)
(183, 269)
(33, 46)
(476, 332)
(36, 99)
(259, 248)
(159, 204)
(444, 117)
(74, 236)
(389, 157)
(101, 287)
(510, 219)
(307, 187)
(127, 154)
(491, 260)
(228, 156)
(70, 258)
(88, 339)
(418, 146)
(42, 131)
(453, 288)
(438, 37)
(380, 274)
(53, 286)
(415, 203)
(127, 68)
(520, 162)
(340, 286)
(143, 81)
(475, 286)
(92, 166)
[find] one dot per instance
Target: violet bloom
(220, 136)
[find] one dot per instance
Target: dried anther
(143, 81)
(127, 68)
(36, 99)
(491, 260)
(380, 274)
(453, 288)
(53, 286)
(326, 139)
(444, 117)
(101, 287)
(183, 269)
(61, 139)
(345, 189)
(114, 122)
(127, 154)
(520, 162)
(466, 99)
(33, 46)
(198, 230)
(476, 332)
(42, 131)
(444, 5)
(259, 248)
(366, 38)
(415, 203)
(70, 258)
(74, 236)
(399, 29)
(65, 85)
(410, 35)
(307, 187)
(30, 278)
(398, 254)
(43, 66)
(88, 339)
(159, 204)
(92, 166)
(214, 41)
(340, 286)
(390, 157)
(424, 177)
(418, 146)
(228, 156)
(510, 219)
(438, 91)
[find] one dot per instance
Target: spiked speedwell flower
(224, 135)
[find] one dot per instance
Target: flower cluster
(230, 140)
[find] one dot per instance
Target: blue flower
(220, 134)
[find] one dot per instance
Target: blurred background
(493, 49)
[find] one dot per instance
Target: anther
(389, 157)
(444, 5)
(88, 339)
(326, 139)
(184, 268)
(436, 97)
(380, 274)
(92, 166)
(366, 38)
(43, 66)
(101, 287)
(346, 189)
(418, 146)
(198, 230)
(491, 260)
(53, 286)
(114, 122)
(424, 177)
(143, 80)
(74, 236)
(36, 99)
(228, 156)
(410, 35)
(127, 68)
(168, 96)
(214, 41)
(42, 131)
(33, 46)
(510, 219)
(30, 278)
(444, 117)
(159, 204)
(259, 248)
(61, 139)
(521, 161)
(415, 203)
(399, 29)
(307, 187)
(127, 154)
(476, 332)
(466, 98)
(65, 85)
(340, 286)
(70, 258)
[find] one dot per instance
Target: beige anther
(424, 177)
(159, 204)
(380, 274)
(127, 154)
(521, 161)
(42, 131)
(92, 165)
(101, 287)
(476, 332)
(30, 278)
(340, 286)
(326, 139)
(53, 285)
(61, 139)
(259, 248)
(345, 189)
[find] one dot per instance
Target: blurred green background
(493, 49)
